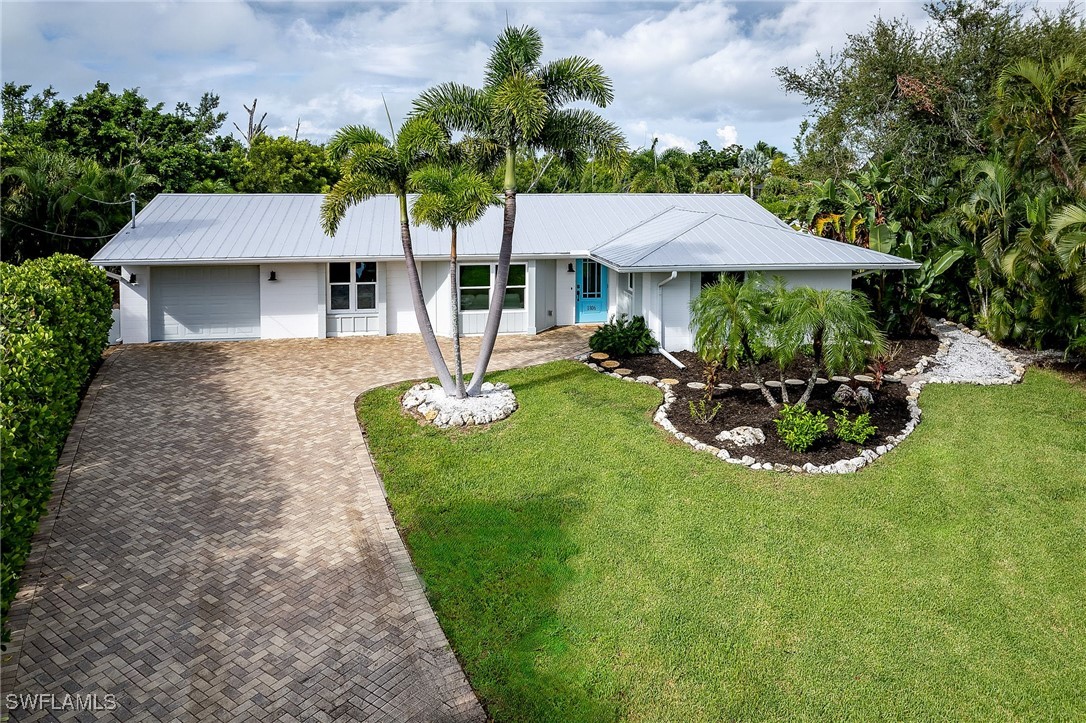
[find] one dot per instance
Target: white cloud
(728, 136)
(681, 73)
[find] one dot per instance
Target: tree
(283, 165)
(838, 326)
(450, 196)
(753, 167)
(521, 105)
(371, 165)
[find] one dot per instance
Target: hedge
(55, 316)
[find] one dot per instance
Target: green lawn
(586, 566)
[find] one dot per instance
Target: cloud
(728, 136)
(681, 72)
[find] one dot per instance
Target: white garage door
(192, 303)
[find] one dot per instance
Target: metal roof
(680, 239)
(246, 228)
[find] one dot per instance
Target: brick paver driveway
(222, 550)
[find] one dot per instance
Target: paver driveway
(222, 550)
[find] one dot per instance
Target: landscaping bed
(748, 408)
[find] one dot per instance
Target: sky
(682, 72)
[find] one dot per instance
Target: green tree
(521, 105)
(372, 164)
(284, 165)
(451, 196)
(753, 167)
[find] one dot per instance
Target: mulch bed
(739, 407)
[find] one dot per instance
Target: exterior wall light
(271, 276)
(570, 268)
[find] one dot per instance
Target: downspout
(660, 312)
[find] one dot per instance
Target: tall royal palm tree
(372, 165)
(521, 105)
(839, 327)
(450, 196)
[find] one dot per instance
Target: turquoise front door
(591, 291)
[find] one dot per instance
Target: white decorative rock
(429, 401)
(742, 436)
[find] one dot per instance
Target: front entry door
(591, 291)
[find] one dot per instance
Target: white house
(226, 266)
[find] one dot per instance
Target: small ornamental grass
(857, 430)
(799, 428)
(624, 337)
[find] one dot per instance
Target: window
(352, 286)
(710, 277)
(475, 282)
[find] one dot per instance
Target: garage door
(192, 303)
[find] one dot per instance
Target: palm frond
(348, 191)
(349, 137)
(581, 129)
(516, 52)
(576, 78)
(456, 106)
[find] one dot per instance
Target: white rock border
(429, 403)
(867, 456)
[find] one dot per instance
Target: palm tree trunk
(758, 379)
(454, 288)
(816, 362)
(419, 302)
(784, 389)
(501, 276)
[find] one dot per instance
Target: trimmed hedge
(55, 316)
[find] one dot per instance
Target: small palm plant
(837, 325)
(450, 196)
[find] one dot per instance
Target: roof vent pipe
(132, 198)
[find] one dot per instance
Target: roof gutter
(660, 314)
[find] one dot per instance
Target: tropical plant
(837, 325)
(753, 167)
(372, 164)
(451, 196)
(521, 105)
(623, 337)
(857, 430)
(704, 411)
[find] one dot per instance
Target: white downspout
(660, 312)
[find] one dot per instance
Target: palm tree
(451, 196)
(649, 175)
(726, 317)
(374, 165)
(753, 166)
(521, 105)
(838, 325)
(1068, 231)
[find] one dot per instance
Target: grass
(587, 567)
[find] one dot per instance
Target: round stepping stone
(723, 387)
(669, 381)
(840, 379)
(820, 381)
(647, 379)
(865, 378)
(794, 382)
(695, 385)
(610, 364)
(598, 355)
(624, 372)
(749, 386)
(891, 380)
(772, 384)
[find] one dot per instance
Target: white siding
(817, 279)
(623, 295)
(676, 301)
(399, 313)
(542, 285)
(135, 305)
(290, 305)
(352, 325)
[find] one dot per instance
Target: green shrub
(704, 411)
(857, 430)
(623, 336)
(55, 315)
(800, 428)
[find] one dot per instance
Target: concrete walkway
(219, 547)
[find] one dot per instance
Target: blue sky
(682, 71)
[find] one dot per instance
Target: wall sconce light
(570, 269)
(271, 277)
(132, 279)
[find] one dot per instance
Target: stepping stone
(891, 380)
(610, 364)
(723, 387)
(749, 386)
(820, 381)
(646, 379)
(841, 380)
(598, 355)
(669, 381)
(864, 378)
(624, 372)
(772, 384)
(794, 382)
(695, 385)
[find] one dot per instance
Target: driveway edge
(29, 580)
(459, 698)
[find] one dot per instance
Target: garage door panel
(205, 302)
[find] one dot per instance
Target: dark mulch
(738, 407)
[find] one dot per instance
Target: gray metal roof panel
(626, 228)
